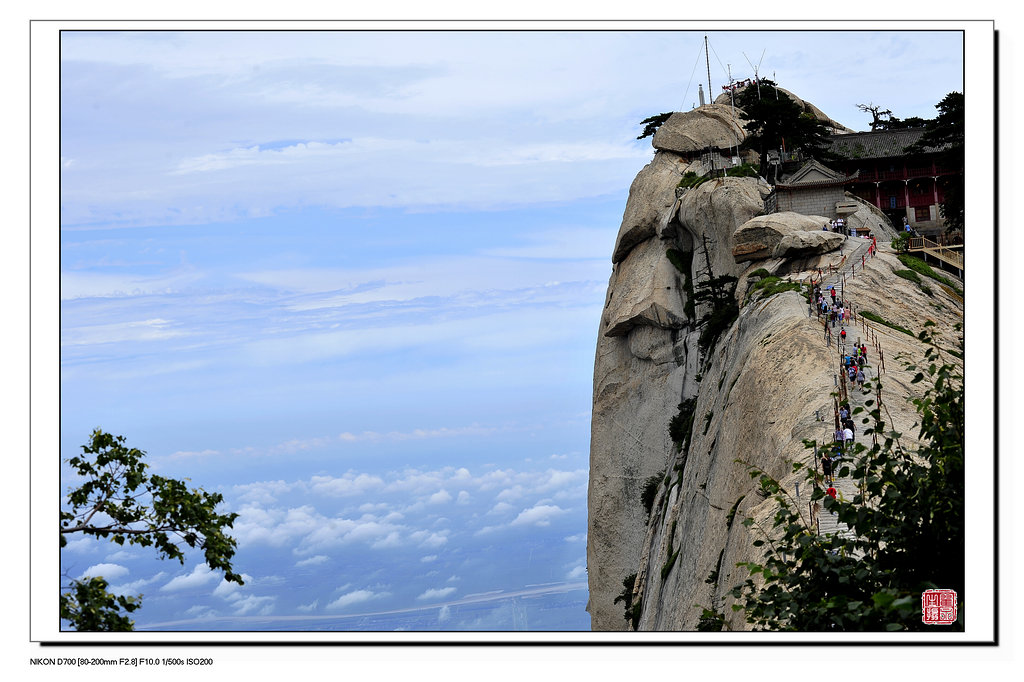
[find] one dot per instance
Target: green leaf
(108, 504)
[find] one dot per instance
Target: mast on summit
(707, 60)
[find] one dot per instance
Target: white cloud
(346, 485)
(230, 590)
(192, 454)
(201, 575)
(133, 587)
(75, 285)
(429, 540)
(436, 593)
(355, 597)
(416, 434)
(429, 558)
(539, 515)
(440, 497)
(83, 545)
(488, 118)
(308, 608)
(393, 539)
(259, 606)
(513, 493)
(278, 527)
(110, 572)
(201, 612)
(463, 498)
(263, 492)
(563, 479)
(313, 561)
(135, 331)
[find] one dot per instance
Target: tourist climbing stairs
(844, 391)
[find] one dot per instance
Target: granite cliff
(741, 380)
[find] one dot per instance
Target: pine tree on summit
(775, 121)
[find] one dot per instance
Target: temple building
(900, 184)
(814, 189)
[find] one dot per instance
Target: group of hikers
(853, 363)
(835, 310)
(842, 442)
(837, 225)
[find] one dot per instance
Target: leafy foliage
(883, 119)
(774, 120)
(91, 608)
(744, 170)
(650, 491)
(920, 267)
(732, 512)
(947, 132)
(874, 317)
(680, 427)
(119, 500)
(720, 293)
(907, 521)
(691, 179)
(652, 123)
(771, 285)
(912, 276)
(711, 621)
(633, 611)
(908, 275)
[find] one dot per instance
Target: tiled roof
(798, 179)
(819, 183)
(881, 144)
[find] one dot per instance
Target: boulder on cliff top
(782, 235)
(711, 125)
(807, 107)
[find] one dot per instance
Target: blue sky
(352, 281)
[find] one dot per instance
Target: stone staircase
(828, 523)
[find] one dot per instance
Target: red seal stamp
(938, 607)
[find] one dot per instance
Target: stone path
(854, 248)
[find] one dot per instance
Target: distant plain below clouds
(370, 530)
(491, 613)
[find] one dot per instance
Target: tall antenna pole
(732, 91)
(707, 59)
(732, 99)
